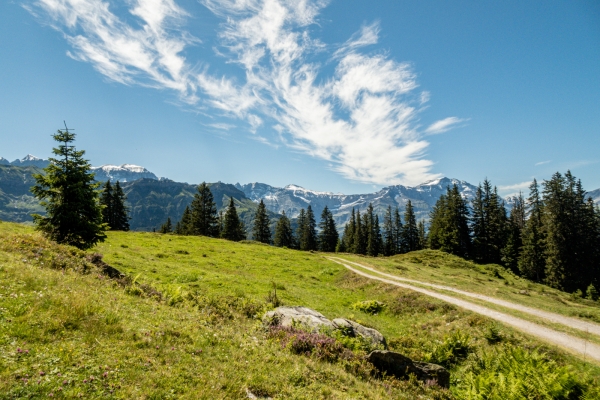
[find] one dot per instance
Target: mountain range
(152, 199)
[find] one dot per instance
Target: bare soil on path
(574, 344)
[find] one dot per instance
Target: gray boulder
(401, 367)
(354, 329)
(293, 316)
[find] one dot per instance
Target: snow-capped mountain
(595, 195)
(122, 173)
(30, 160)
(293, 198)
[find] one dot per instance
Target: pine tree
(398, 233)
(203, 209)
(284, 236)
(261, 232)
(410, 234)
(106, 201)
(389, 246)
(184, 226)
(120, 211)
(516, 224)
(300, 228)
(348, 237)
(328, 237)
(449, 230)
(489, 225)
(308, 234)
(233, 228)
(360, 235)
(373, 232)
(68, 193)
(423, 239)
(532, 262)
(167, 227)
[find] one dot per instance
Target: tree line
(551, 237)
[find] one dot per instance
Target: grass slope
(68, 331)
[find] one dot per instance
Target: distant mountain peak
(123, 173)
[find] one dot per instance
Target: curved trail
(576, 323)
(572, 343)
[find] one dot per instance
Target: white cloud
(361, 119)
(444, 125)
(542, 163)
(513, 190)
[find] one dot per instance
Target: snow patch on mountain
(30, 160)
(122, 173)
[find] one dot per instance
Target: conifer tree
(532, 262)
(106, 201)
(184, 227)
(167, 227)
(120, 211)
(389, 245)
(301, 221)
(68, 193)
(360, 235)
(410, 234)
(489, 225)
(398, 233)
(328, 237)
(423, 239)
(204, 220)
(449, 230)
(233, 228)
(516, 223)
(308, 234)
(261, 232)
(373, 232)
(284, 236)
(348, 242)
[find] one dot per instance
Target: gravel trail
(572, 343)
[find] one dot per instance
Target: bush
(317, 345)
(591, 293)
(453, 349)
(369, 306)
(514, 373)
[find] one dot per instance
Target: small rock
(354, 329)
(401, 366)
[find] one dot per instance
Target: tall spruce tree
(308, 233)
(532, 261)
(233, 228)
(184, 226)
(373, 232)
(328, 236)
(398, 233)
(570, 244)
(360, 235)
(516, 224)
(204, 220)
(410, 234)
(261, 231)
(120, 210)
(348, 237)
(284, 235)
(301, 226)
(68, 193)
(389, 245)
(449, 224)
(106, 201)
(489, 225)
(423, 239)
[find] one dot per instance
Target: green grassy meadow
(186, 324)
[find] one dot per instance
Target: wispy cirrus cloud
(444, 125)
(542, 163)
(362, 118)
(514, 189)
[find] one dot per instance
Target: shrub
(369, 306)
(493, 334)
(317, 345)
(453, 349)
(511, 373)
(591, 293)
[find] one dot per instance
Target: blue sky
(344, 96)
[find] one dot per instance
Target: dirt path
(576, 323)
(572, 343)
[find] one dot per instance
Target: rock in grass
(401, 367)
(353, 329)
(294, 316)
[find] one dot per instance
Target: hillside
(186, 326)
